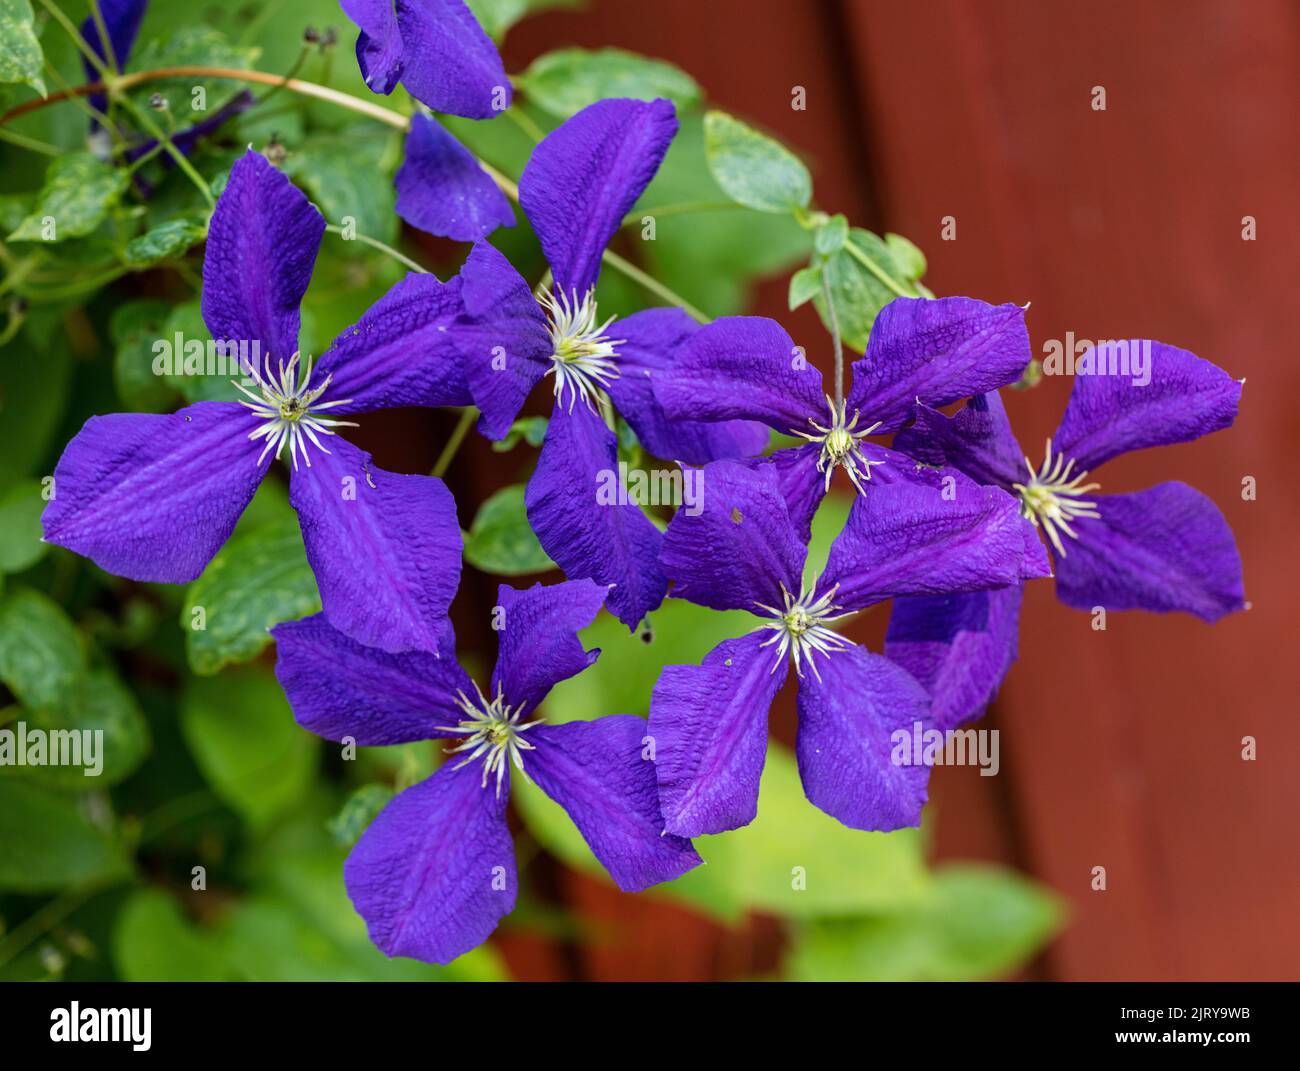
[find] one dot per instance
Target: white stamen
(581, 354)
(288, 407)
(800, 628)
(493, 732)
(841, 445)
(1053, 498)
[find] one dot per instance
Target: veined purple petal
(907, 538)
(978, 440)
(652, 340)
(502, 336)
(612, 543)
(845, 746)
(539, 645)
(448, 62)
(741, 548)
(585, 175)
(802, 486)
(598, 772)
(709, 726)
(743, 368)
(435, 872)
(379, 47)
(1166, 548)
(400, 352)
(153, 497)
(385, 548)
(1185, 398)
(262, 243)
(442, 189)
(338, 688)
(959, 647)
(122, 20)
(936, 351)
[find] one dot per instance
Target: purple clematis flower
(153, 497)
(1164, 549)
(435, 872)
(436, 49)
(748, 368)
(579, 184)
(918, 532)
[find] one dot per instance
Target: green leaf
(565, 82)
(242, 734)
(865, 275)
(96, 703)
(340, 172)
(185, 325)
(153, 941)
(753, 169)
(167, 240)
(49, 842)
(975, 922)
(191, 46)
(258, 579)
(531, 430)
(910, 260)
(830, 236)
(358, 811)
(497, 16)
(20, 52)
(20, 526)
(501, 541)
(78, 192)
(35, 378)
(135, 328)
(41, 656)
(805, 284)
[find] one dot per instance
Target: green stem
(110, 56)
(40, 922)
(375, 243)
(831, 315)
(458, 434)
(525, 122)
(875, 269)
(145, 120)
(91, 56)
(31, 144)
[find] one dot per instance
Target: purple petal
(740, 549)
(911, 538)
(977, 440)
(448, 62)
(400, 352)
(845, 746)
(262, 243)
(802, 486)
(339, 688)
(709, 727)
(122, 20)
(743, 368)
(539, 645)
(379, 47)
(959, 647)
(502, 336)
(1166, 548)
(154, 497)
(652, 340)
(936, 350)
(435, 872)
(598, 772)
(385, 548)
(1107, 415)
(442, 188)
(585, 175)
(611, 543)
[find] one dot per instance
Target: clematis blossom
(153, 497)
(932, 350)
(579, 184)
(435, 872)
(918, 532)
(1164, 549)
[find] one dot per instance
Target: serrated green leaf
(501, 540)
(258, 579)
(50, 843)
(21, 546)
(753, 169)
(21, 58)
(975, 922)
(242, 734)
(153, 941)
(167, 240)
(41, 656)
(79, 190)
(566, 81)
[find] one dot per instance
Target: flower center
(493, 733)
(801, 628)
(1053, 498)
(288, 408)
(841, 445)
(581, 353)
